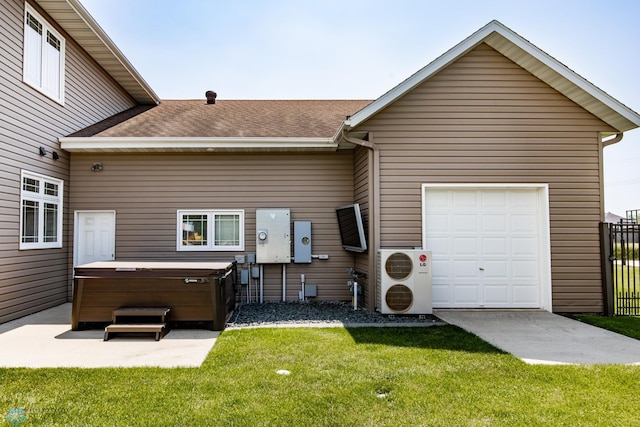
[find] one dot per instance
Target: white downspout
(602, 143)
(374, 212)
(612, 140)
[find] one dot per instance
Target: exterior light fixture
(55, 155)
(96, 167)
(43, 151)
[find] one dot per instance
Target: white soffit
(529, 57)
(76, 21)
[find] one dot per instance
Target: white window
(43, 56)
(40, 211)
(205, 230)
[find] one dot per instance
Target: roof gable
(530, 58)
(79, 24)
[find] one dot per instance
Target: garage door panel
(465, 269)
(495, 269)
(524, 247)
(494, 223)
(495, 247)
(522, 269)
(485, 245)
(465, 224)
(466, 294)
(437, 200)
(462, 200)
(441, 271)
(524, 223)
(437, 223)
(440, 245)
(465, 246)
(492, 199)
(495, 295)
(524, 295)
(441, 295)
(526, 200)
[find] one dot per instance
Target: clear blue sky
(359, 49)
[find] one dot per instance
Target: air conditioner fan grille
(398, 266)
(399, 297)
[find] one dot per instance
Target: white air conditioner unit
(404, 281)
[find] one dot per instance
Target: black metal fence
(621, 267)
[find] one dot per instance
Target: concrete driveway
(540, 337)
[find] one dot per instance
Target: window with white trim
(44, 47)
(40, 211)
(209, 230)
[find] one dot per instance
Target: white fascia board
(558, 67)
(95, 28)
(189, 144)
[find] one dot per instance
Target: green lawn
(628, 275)
(625, 325)
(627, 285)
(338, 377)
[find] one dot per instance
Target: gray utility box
(273, 236)
(302, 242)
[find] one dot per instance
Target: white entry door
(487, 246)
(95, 235)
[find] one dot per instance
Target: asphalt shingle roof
(230, 118)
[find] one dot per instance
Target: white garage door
(487, 246)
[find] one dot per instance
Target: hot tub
(202, 292)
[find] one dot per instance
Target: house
(610, 217)
(490, 156)
(481, 157)
(60, 73)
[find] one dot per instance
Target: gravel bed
(320, 313)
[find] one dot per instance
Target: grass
(338, 377)
(626, 276)
(626, 289)
(625, 325)
(632, 250)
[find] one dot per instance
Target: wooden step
(158, 328)
(161, 312)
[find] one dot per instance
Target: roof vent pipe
(211, 96)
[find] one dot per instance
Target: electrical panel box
(251, 258)
(302, 242)
(310, 291)
(244, 276)
(273, 236)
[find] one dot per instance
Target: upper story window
(43, 66)
(205, 230)
(40, 211)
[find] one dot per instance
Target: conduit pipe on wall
(374, 206)
(284, 282)
(261, 283)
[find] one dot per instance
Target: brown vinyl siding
(362, 186)
(483, 119)
(32, 280)
(146, 190)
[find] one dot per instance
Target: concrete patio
(45, 340)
